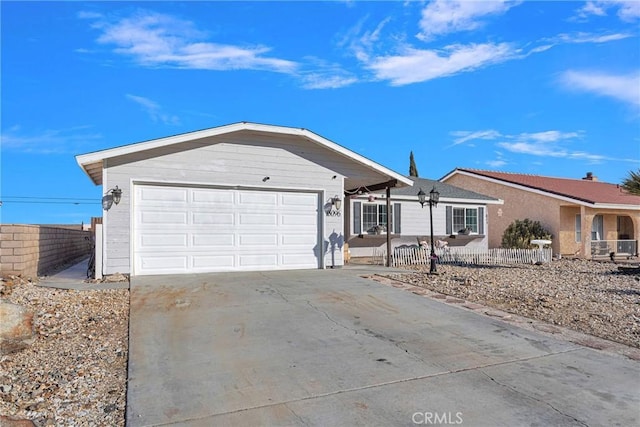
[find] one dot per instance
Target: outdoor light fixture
(336, 205)
(434, 198)
(116, 193)
(112, 196)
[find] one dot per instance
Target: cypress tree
(413, 170)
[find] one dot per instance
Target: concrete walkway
(319, 348)
(74, 278)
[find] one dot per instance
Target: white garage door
(191, 230)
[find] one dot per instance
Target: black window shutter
(449, 212)
(481, 220)
(396, 218)
(357, 211)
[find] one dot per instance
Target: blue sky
(550, 88)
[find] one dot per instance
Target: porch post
(586, 223)
(388, 226)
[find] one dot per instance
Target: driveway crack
(298, 417)
(332, 320)
(513, 389)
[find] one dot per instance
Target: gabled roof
(92, 163)
(581, 191)
(447, 191)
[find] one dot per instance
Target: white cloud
(154, 39)
(551, 143)
(326, 81)
(625, 88)
(417, 65)
(627, 10)
(49, 141)
(154, 110)
(549, 136)
(498, 163)
(465, 135)
(591, 38)
(445, 16)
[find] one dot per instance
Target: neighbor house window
(465, 218)
(597, 228)
(578, 228)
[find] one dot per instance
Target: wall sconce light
(113, 196)
(336, 205)
(116, 193)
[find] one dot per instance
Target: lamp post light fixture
(434, 198)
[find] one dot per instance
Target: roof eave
(84, 160)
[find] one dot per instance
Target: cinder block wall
(34, 250)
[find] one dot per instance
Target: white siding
(415, 222)
(240, 160)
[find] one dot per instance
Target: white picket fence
(461, 256)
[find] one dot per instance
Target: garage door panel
(212, 240)
(213, 262)
(213, 218)
(164, 218)
(164, 263)
(257, 260)
(303, 200)
(219, 198)
(163, 240)
(259, 240)
(182, 230)
(298, 240)
(294, 260)
(163, 194)
(256, 198)
(257, 219)
(299, 219)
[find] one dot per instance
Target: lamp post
(434, 197)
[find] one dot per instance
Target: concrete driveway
(329, 348)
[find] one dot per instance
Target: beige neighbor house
(240, 197)
(587, 218)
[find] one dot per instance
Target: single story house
(459, 219)
(587, 217)
(240, 197)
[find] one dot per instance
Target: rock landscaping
(596, 298)
(73, 370)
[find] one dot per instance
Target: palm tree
(632, 182)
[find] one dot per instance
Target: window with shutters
(371, 218)
(465, 218)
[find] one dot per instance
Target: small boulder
(12, 422)
(16, 328)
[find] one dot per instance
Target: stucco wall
(518, 204)
(33, 250)
(557, 216)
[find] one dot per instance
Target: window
(374, 218)
(465, 218)
(578, 228)
(597, 228)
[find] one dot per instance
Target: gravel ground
(590, 297)
(75, 372)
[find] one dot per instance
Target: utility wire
(48, 202)
(47, 198)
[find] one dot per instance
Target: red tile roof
(579, 189)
